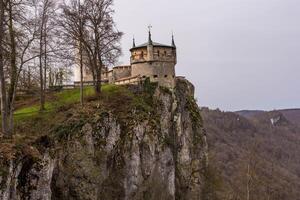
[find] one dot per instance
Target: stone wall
(159, 67)
(161, 72)
(120, 72)
(139, 55)
(159, 54)
(134, 80)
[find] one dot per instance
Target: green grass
(28, 111)
(73, 96)
(110, 89)
(63, 98)
(67, 97)
(117, 99)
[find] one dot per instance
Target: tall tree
(21, 32)
(73, 22)
(103, 42)
(81, 29)
(2, 77)
(43, 17)
(95, 37)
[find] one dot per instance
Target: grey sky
(239, 54)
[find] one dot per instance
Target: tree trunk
(45, 56)
(95, 67)
(2, 78)
(80, 54)
(13, 70)
(81, 72)
(248, 182)
(98, 81)
(99, 73)
(42, 92)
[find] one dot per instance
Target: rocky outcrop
(159, 153)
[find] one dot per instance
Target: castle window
(158, 53)
(165, 53)
(155, 76)
(166, 76)
(144, 76)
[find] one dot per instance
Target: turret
(154, 60)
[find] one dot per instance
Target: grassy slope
(64, 109)
(62, 98)
(30, 123)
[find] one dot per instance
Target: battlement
(157, 53)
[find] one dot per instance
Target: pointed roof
(173, 42)
(149, 38)
(155, 44)
(133, 43)
(152, 43)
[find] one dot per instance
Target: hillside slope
(255, 151)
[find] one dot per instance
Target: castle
(149, 60)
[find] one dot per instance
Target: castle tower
(154, 60)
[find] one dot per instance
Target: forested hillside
(256, 153)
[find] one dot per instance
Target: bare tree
(47, 16)
(21, 32)
(95, 37)
(43, 18)
(2, 77)
(25, 37)
(102, 44)
(81, 30)
(73, 22)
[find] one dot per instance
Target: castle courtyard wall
(121, 72)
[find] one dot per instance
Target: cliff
(132, 143)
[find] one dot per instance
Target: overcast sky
(239, 54)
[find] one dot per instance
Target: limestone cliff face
(158, 155)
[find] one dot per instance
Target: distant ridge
(269, 140)
(249, 113)
(292, 114)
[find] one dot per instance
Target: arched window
(166, 76)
